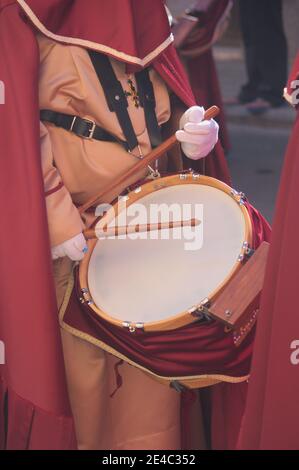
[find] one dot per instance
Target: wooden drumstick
(91, 234)
(141, 164)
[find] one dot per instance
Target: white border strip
(93, 45)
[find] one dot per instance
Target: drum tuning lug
(153, 174)
(138, 190)
(132, 327)
(249, 252)
(201, 311)
(241, 258)
(183, 176)
(238, 196)
(196, 312)
(195, 176)
(205, 303)
(85, 298)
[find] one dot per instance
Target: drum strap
(117, 100)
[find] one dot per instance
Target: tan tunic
(143, 414)
(68, 84)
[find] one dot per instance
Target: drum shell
(188, 316)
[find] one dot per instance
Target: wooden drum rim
(183, 318)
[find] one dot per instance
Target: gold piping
(93, 45)
(105, 347)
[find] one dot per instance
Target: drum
(158, 281)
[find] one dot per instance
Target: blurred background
(257, 139)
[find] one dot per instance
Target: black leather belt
(85, 128)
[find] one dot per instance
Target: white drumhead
(145, 280)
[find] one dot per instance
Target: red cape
(32, 380)
(105, 26)
(272, 412)
(34, 411)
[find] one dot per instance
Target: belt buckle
(91, 130)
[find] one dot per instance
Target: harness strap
(115, 95)
(148, 102)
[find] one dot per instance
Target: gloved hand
(74, 248)
(198, 137)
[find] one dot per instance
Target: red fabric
(191, 350)
(272, 412)
(202, 36)
(169, 66)
(28, 319)
(229, 400)
(123, 25)
(227, 412)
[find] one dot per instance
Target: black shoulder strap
(148, 101)
(115, 96)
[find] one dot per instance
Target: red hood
(134, 31)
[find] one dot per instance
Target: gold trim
(206, 379)
(93, 45)
(67, 295)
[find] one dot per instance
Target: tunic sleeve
(64, 220)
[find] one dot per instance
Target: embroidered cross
(133, 93)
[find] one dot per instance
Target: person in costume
(106, 90)
(77, 161)
(272, 413)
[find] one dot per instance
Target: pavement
(258, 142)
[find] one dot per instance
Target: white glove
(198, 137)
(74, 248)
